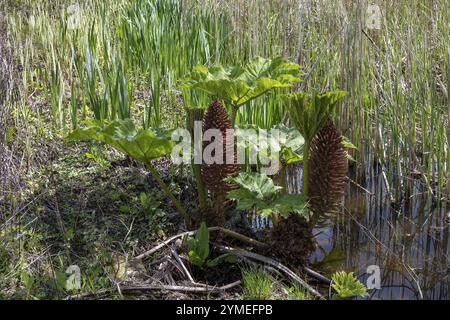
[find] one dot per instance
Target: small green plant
(199, 250)
(258, 285)
(28, 281)
(64, 283)
(155, 217)
(198, 247)
(258, 192)
(296, 292)
(347, 286)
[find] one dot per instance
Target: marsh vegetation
(352, 106)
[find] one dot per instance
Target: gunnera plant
(328, 167)
(214, 174)
(309, 112)
(292, 240)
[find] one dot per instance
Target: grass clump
(258, 285)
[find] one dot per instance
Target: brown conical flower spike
(213, 174)
(328, 170)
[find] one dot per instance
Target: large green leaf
(286, 204)
(288, 142)
(258, 186)
(291, 143)
(257, 191)
(140, 144)
(240, 84)
(309, 112)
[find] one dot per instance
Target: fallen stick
(238, 236)
(273, 263)
(228, 232)
(317, 275)
(144, 288)
(186, 271)
(199, 289)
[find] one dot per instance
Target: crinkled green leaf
(292, 143)
(290, 137)
(240, 84)
(346, 143)
(259, 186)
(290, 156)
(247, 200)
(257, 191)
(289, 142)
(309, 112)
(257, 141)
(141, 144)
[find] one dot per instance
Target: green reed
(126, 59)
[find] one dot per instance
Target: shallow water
(410, 244)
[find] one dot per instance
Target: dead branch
(183, 267)
(317, 275)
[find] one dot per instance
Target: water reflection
(410, 244)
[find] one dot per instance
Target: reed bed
(125, 59)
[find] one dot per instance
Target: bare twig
(183, 267)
